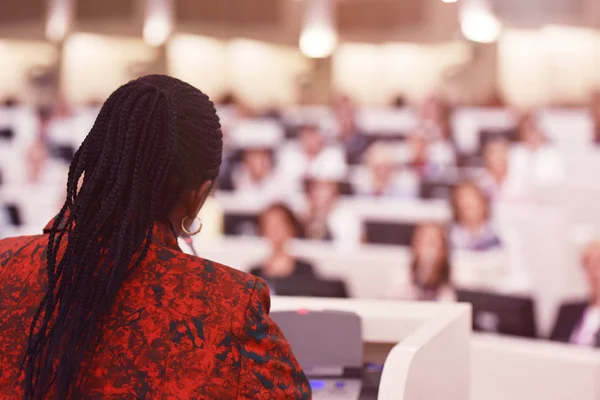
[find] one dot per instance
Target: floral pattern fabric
(181, 328)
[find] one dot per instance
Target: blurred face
(258, 163)
(471, 206)
(431, 110)
(312, 141)
(591, 265)
(276, 227)
(37, 158)
(344, 112)
(596, 105)
(430, 251)
(530, 134)
(322, 195)
(496, 157)
(418, 147)
(382, 171)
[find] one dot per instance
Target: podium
(424, 347)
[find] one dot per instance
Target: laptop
(496, 313)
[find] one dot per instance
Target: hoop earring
(186, 230)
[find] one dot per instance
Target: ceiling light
(318, 38)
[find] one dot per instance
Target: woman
(350, 136)
(534, 160)
(112, 307)
(297, 161)
(472, 229)
(279, 225)
(579, 322)
(496, 181)
(381, 178)
(430, 267)
(326, 218)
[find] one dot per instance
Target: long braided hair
(155, 138)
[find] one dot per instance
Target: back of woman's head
(155, 139)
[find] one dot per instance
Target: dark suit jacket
(569, 318)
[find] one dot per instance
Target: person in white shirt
(427, 153)
(534, 160)
(579, 322)
(254, 178)
(325, 217)
(311, 152)
(496, 180)
(472, 228)
(384, 176)
(430, 266)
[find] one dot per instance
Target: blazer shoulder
(207, 270)
(20, 242)
(14, 248)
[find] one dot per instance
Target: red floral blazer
(181, 328)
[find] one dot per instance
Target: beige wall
(261, 74)
(17, 57)
(95, 65)
(549, 66)
(375, 73)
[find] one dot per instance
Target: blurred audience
(496, 179)
(430, 266)
(352, 140)
(534, 160)
(325, 219)
(279, 225)
(310, 155)
(255, 177)
(435, 115)
(472, 228)
(37, 157)
(579, 322)
(428, 154)
(383, 175)
(595, 114)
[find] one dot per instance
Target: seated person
(297, 160)
(495, 180)
(471, 229)
(325, 219)
(429, 278)
(436, 113)
(534, 160)
(255, 177)
(430, 267)
(352, 140)
(579, 322)
(428, 155)
(279, 225)
(595, 112)
(382, 179)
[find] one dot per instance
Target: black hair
(289, 216)
(154, 139)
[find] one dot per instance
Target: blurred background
(392, 149)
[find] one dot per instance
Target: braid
(154, 138)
